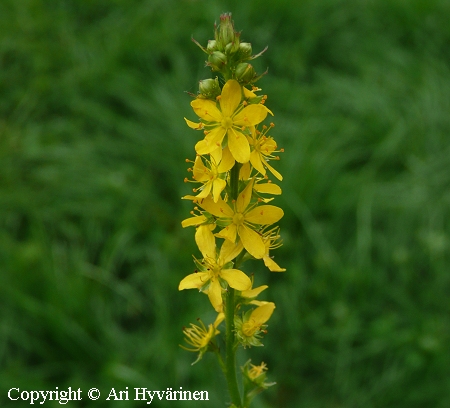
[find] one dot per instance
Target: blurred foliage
(92, 148)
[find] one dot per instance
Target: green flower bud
(211, 47)
(233, 47)
(244, 73)
(225, 34)
(209, 88)
(226, 29)
(245, 51)
(217, 60)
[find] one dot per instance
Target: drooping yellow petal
(218, 186)
(245, 172)
(264, 215)
(272, 265)
(214, 293)
(206, 242)
(229, 250)
(219, 319)
(251, 115)
(197, 220)
(229, 233)
(252, 242)
(194, 280)
(238, 144)
(255, 160)
(194, 125)
(252, 293)
(227, 161)
(216, 156)
(236, 279)
(231, 97)
(207, 110)
(244, 198)
(274, 172)
(267, 188)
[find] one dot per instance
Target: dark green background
(92, 149)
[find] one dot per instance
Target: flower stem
(230, 358)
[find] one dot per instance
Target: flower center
(238, 219)
(249, 328)
(227, 123)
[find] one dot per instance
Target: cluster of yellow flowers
(232, 217)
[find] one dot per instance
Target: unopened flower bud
(245, 51)
(244, 73)
(211, 47)
(209, 88)
(217, 60)
(226, 29)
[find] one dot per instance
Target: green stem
(230, 358)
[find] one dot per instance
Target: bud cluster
(229, 56)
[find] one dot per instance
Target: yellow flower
(242, 220)
(199, 338)
(250, 327)
(232, 119)
(256, 371)
(257, 318)
(271, 240)
(210, 176)
(214, 268)
(263, 148)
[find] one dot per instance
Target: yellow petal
(227, 161)
(205, 191)
(274, 172)
(231, 97)
(216, 135)
(206, 242)
(229, 250)
(219, 319)
(262, 313)
(207, 110)
(264, 215)
(238, 144)
(200, 171)
(214, 293)
(218, 186)
(249, 94)
(268, 188)
(255, 160)
(252, 293)
(252, 242)
(244, 197)
(216, 156)
(219, 209)
(229, 233)
(194, 125)
(272, 265)
(197, 220)
(251, 115)
(245, 172)
(236, 279)
(194, 280)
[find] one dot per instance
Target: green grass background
(92, 149)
